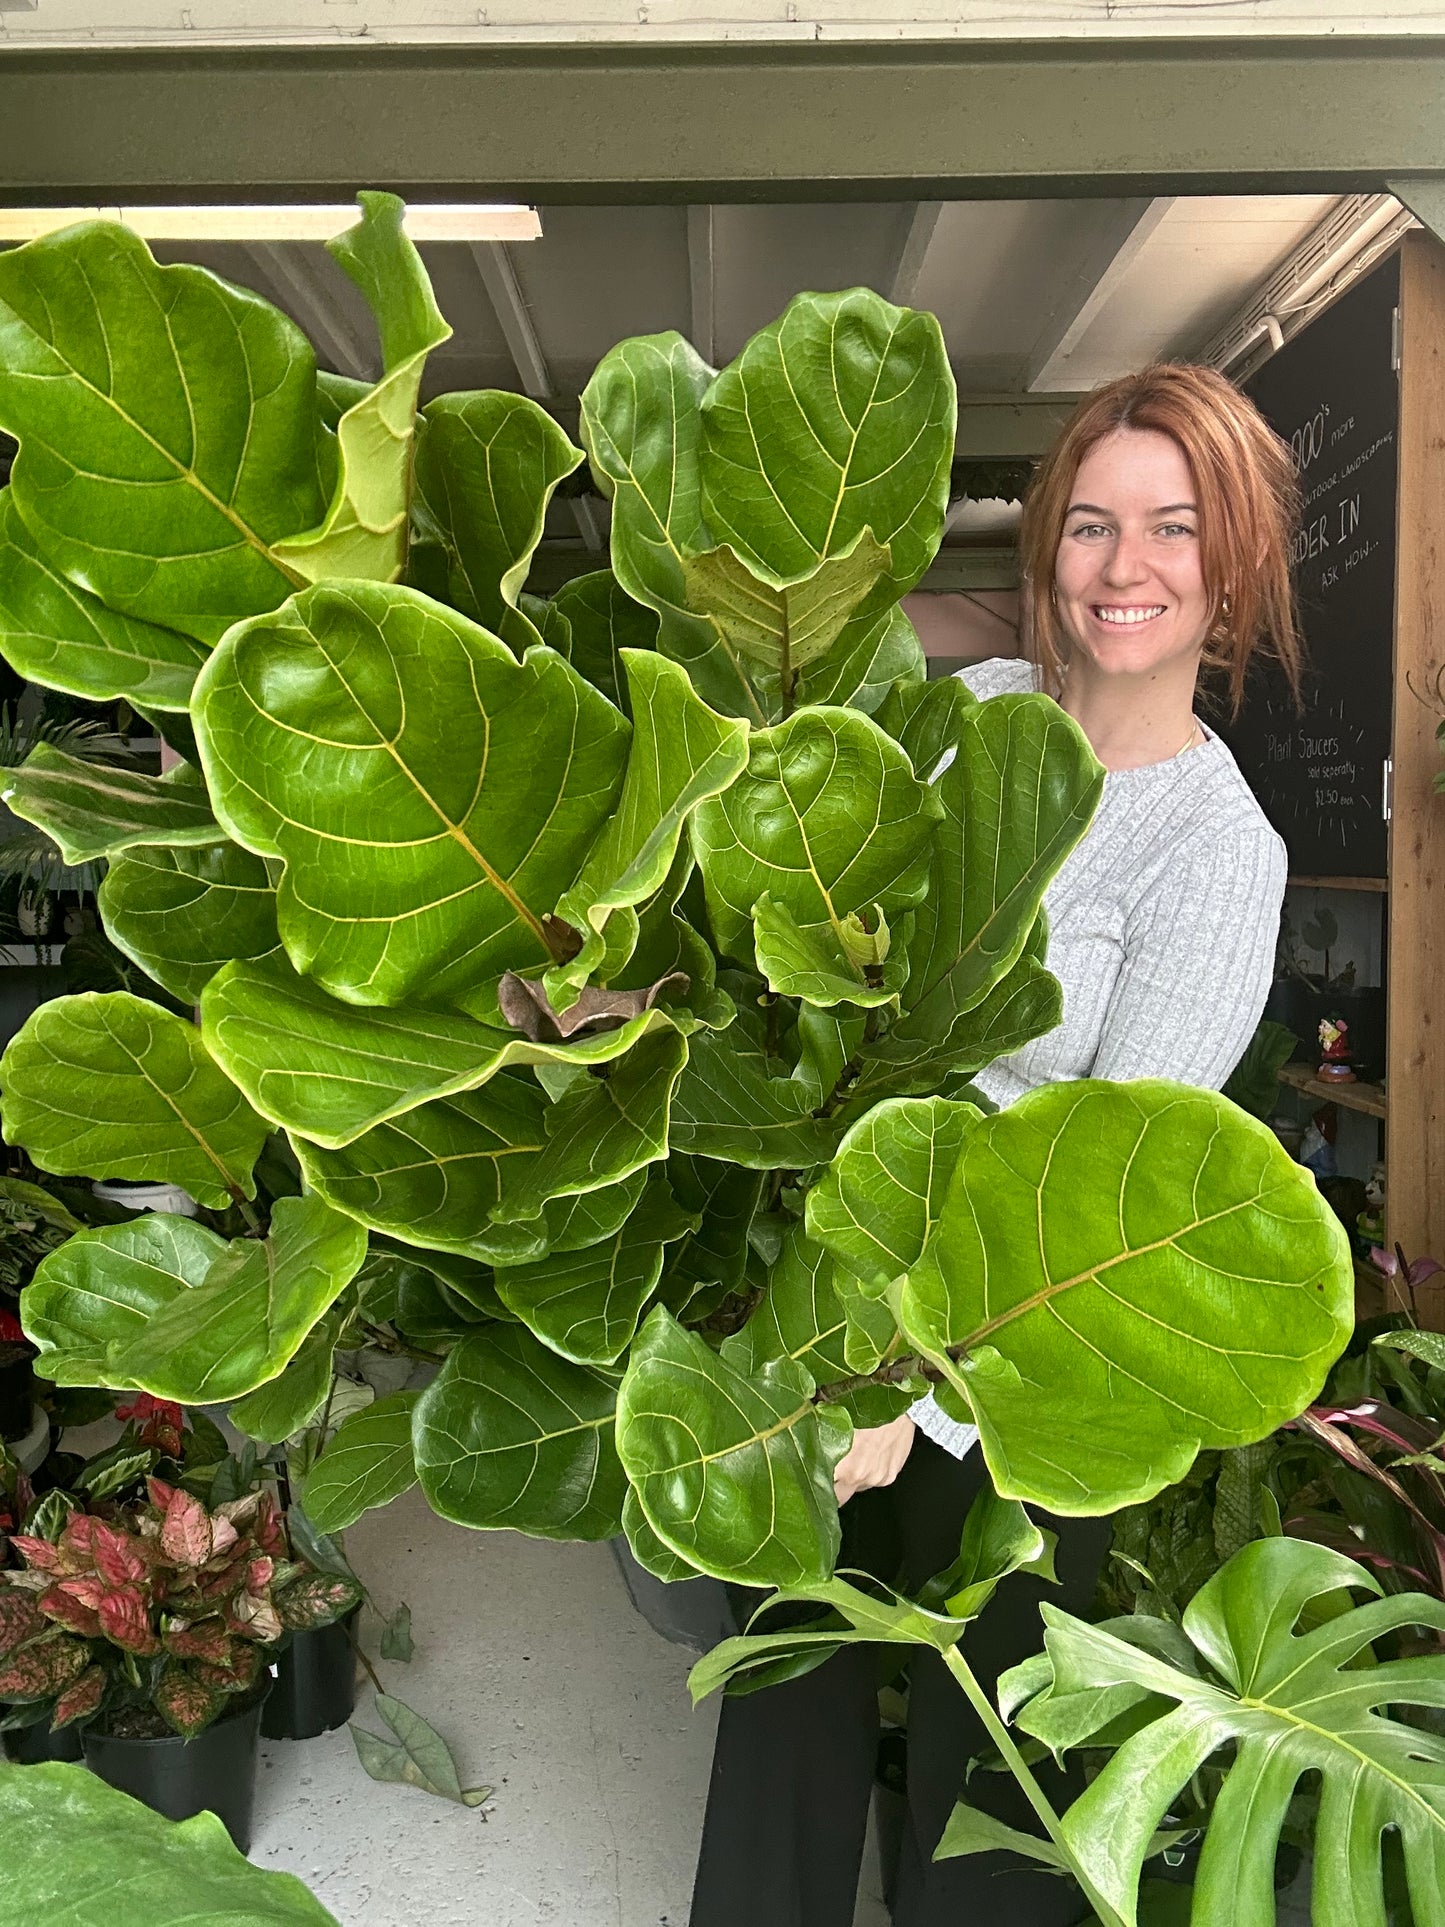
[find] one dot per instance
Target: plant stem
(325, 1420)
(356, 1648)
(998, 1732)
(253, 1223)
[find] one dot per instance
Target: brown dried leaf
(527, 1007)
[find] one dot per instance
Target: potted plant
(616, 959)
(151, 1627)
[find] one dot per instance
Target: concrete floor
(532, 1662)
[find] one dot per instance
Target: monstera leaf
(364, 533)
(57, 634)
(112, 1086)
(241, 1324)
(828, 819)
(734, 1472)
(431, 796)
(93, 811)
(182, 914)
(1287, 1703)
(1119, 1276)
(509, 1434)
(101, 1289)
(367, 1463)
(167, 427)
(486, 468)
(331, 1071)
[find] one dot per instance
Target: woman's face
(1127, 578)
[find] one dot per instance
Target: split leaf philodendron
(628, 981)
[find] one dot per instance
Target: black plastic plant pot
(34, 1745)
(17, 1391)
(215, 1771)
(315, 1685)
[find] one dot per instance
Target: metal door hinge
(1387, 787)
(1395, 337)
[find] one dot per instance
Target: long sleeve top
(1162, 928)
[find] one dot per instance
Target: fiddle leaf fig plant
(621, 960)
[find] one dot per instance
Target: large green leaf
(331, 1071)
(778, 628)
(91, 810)
(183, 913)
(837, 419)
(1125, 1273)
(56, 633)
(586, 1304)
(1019, 794)
(873, 655)
(79, 1853)
(604, 620)
(486, 467)
(509, 1434)
(728, 1107)
(723, 1197)
(876, 1205)
(167, 427)
(243, 1324)
(100, 1289)
(734, 1473)
(437, 1175)
(682, 753)
(279, 1408)
(364, 531)
(113, 1086)
(368, 1462)
(1288, 1704)
(828, 819)
(431, 796)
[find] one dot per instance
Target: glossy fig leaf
(279, 1409)
(510, 1435)
(589, 1217)
(728, 1107)
(172, 412)
(855, 963)
(183, 913)
(828, 818)
(330, 1071)
(604, 620)
(778, 628)
(376, 742)
(243, 1324)
(437, 1175)
(1018, 795)
(723, 1197)
(58, 634)
(734, 1473)
(100, 1290)
(70, 1838)
(1126, 1273)
(92, 810)
(872, 655)
(110, 1085)
(926, 719)
(682, 753)
(486, 467)
(647, 1549)
(1274, 1705)
(876, 1205)
(364, 531)
(804, 1316)
(836, 419)
(586, 1304)
(367, 1463)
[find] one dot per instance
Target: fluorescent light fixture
(425, 221)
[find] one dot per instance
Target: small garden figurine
(1336, 1059)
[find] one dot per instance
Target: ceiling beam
(729, 121)
(499, 278)
(918, 233)
(302, 290)
(701, 241)
(1122, 240)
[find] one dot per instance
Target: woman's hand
(876, 1457)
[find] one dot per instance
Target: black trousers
(794, 1767)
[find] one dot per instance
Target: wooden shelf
(1377, 884)
(1354, 1097)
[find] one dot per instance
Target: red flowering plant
(154, 1617)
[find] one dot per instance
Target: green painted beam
(1425, 200)
(626, 123)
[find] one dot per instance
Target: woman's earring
(1224, 607)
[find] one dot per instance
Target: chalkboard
(1333, 394)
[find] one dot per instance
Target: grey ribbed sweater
(1162, 927)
